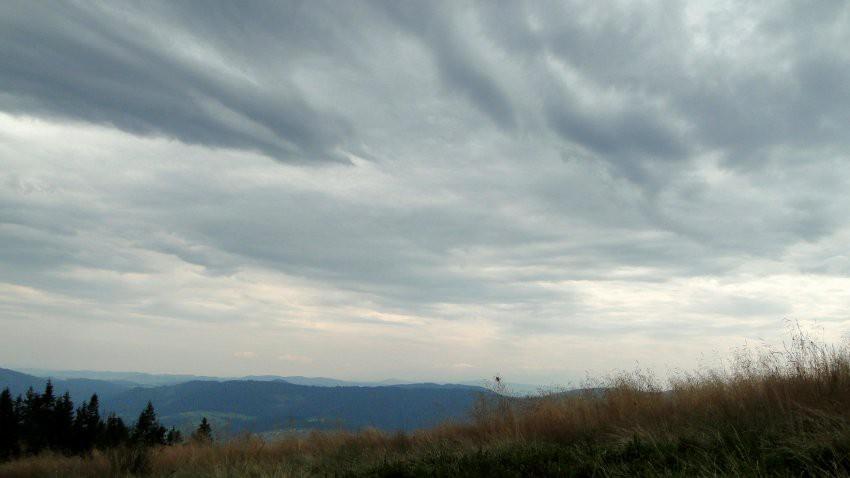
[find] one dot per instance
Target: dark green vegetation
(36, 422)
(770, 413)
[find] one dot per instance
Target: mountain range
(262, 404)
(140, 379)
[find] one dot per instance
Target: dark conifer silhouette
(61, 435)
(37, 422)
(46, 416)
(37, 415)
(147, 430)
(48, 399)
(87, 425)
(9, 427)
(204, 432)
(115, 433)
(174, 437)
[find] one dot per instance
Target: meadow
(766, 412)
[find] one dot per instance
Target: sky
(420, 190)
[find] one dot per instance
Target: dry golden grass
(767, 413)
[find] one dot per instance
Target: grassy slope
(769, 414)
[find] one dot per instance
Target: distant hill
(268, 405)
(130, 379)
(260, 406)
(519, 389)
(79, 388)
(322, 381)
(140, 379)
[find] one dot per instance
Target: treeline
(36, 422)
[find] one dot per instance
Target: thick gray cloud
(491, 179)
(436, 26)
(113, 65)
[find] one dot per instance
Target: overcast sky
(421, 190)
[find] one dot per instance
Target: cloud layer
(388, 189)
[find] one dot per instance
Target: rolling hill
(273, 405)
(79, 388)
(270, 405)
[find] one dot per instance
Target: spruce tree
(61, 435)
(204, 432)
(173, 437)
(115, 433)
(35, 419)
(94, 426)
(48, 399)
(19, 417)
(45, 418)
(87, 425)
(26, 415)
(19, 407)
(94, 412)
(147, 430)
(9, 429)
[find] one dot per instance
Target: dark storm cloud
(632, 134)
(94, 63)
(224, 75)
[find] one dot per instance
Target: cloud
(137, 71)
(294, 358)
(459, 67)
(462, 365)
(494, 179)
